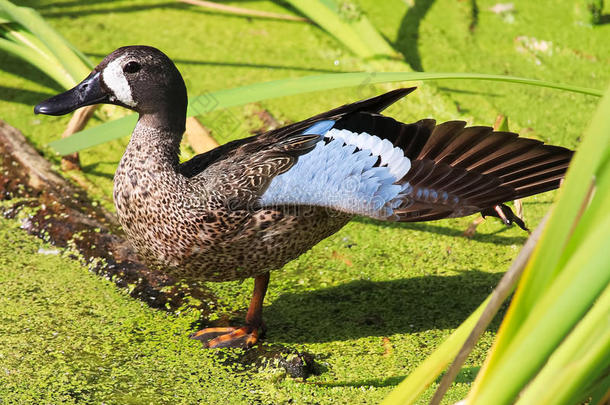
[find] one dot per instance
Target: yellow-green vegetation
(370, 302)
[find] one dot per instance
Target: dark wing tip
(379, 103)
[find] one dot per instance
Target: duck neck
(155, 143)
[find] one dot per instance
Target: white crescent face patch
(114, 78)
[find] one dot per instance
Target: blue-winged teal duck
(250, 206)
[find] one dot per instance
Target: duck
(252, 205)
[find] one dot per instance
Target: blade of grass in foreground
(579, 359)
(457, 346)
(543, 269)
(25, 34)
(220, 99)
(561, 307)
(350, 27)
(33, 22)
(565, 255)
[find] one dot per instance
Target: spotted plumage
(250, 206)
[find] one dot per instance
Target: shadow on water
(366, 308)
(604, 19)
(91, 169)
(465, 376)
(469, 92)
(408, 33)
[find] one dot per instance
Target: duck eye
(131, 67)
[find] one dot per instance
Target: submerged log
(61, 213)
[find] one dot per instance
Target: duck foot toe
(243, 337)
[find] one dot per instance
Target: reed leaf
(567, 273)
(355, 32)
(581, 359)
(34, 23)
(25, 34)
(600, 394)
(557, 311)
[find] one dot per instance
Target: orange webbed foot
(243, 337)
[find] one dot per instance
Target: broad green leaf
(21, 36)
(329, 20)
(600, 394)
(596, 211)
(361, 26)
(262, 91)
(542, 270)
(556, 312)
(59, 59)
(29, 55)
(32, 21)
(581, 359)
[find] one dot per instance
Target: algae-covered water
(368, 303)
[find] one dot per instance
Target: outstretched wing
(353, 160)
(266, 141)
(237, 181)
(346, 171)
(240, 171)
(372, 165)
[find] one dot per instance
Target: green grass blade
(93, 136)
(560, 375)
(409, 389)
(261, 91)
(595, 212)
(23, 37)
(34, 58)
(416, 383)
(371, 37)
(360, 26)
(582, 357)
(542, 269)
(557, 311)
(600, 395)
(329, 21)
(34, 23)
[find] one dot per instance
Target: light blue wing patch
(319, 128)
(340, 174)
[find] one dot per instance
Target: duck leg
(244, 336)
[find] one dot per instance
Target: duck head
(140, 78)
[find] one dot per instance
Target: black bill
(87, 92)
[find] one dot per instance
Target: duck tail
(457, 170)
(462, 170)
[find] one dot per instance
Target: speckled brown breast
(179, 228)
(223, 246)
